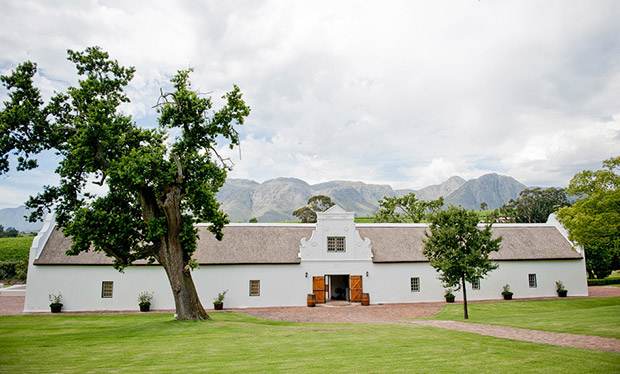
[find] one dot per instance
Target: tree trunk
(186, 301)
(170, 256)
(464, 297)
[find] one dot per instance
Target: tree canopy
(156, 187)
(9, 232)
(593, 221)
(458, 249)
(409, 207)
(534, 205)
(318, 203)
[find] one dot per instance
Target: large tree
(593, 221)
(401, 209)
(156, 187)
(318, 203)
(458, 249)
(534, 205)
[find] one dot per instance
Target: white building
(280, 264)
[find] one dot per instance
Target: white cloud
(405, 93)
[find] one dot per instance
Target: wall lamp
(306, 274)
(366, 273)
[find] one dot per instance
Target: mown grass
(17, 248)
(234, 342)
(592, 316)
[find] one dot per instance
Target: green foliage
(13, 270)
(318, 203)
(253, 220)
(55, 299)
(9, 232)
(535, 205)
(603, 282)
(220, 297)
(584, 316)
(15, 248)
(305, 214)
(458, 249)
(593, 220)
(133, 342)
(408, 207)
(506, 290)
(145, 298)
(14, 253)
(157, 188)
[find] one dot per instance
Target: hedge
(602, 282)
(13, 270)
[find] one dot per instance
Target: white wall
(286, 285)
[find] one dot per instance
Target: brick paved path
(543, 337)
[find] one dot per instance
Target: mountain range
(274, 200)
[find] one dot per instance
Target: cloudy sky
(406, 93)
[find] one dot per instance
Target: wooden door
(356, 288)
(318, 288)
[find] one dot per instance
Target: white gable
(338, 224)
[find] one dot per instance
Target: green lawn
(234, 342)
(595, 316)
(15, 248)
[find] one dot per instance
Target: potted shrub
(449, 295)
(559, 287)
(56, 302)
(144, 300)
(218, 302)
(506, 292)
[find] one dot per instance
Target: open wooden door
(356, 288)
(318, 288)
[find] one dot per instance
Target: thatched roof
(520, 242)
(280, 244)
(252, 244)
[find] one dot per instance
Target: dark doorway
(338, 287)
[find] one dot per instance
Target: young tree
(458, 249)
(593, 220)
(535, 205)
(318, 203)
(156, 188)
(399, 209)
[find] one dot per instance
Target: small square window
(415, 284)
(106, 289)
(336, 244)
(532, 280)
(255, 288)
(476, 284)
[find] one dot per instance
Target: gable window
(255, 287)
(336, 244)
(532, 280)
(415, 284)
(106, 289)
(475, 284)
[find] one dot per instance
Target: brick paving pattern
(399, 313)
